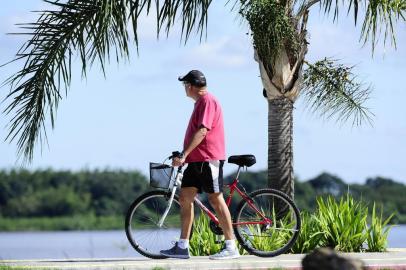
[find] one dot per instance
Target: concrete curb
(393, 259)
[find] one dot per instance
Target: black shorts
(205, 176)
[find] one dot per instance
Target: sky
(139, 112)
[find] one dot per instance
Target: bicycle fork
(177, 182)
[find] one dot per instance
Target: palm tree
(97, 30)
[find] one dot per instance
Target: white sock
(183, 243)
(230, 244)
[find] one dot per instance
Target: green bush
(344, 224)
(203, 241)
(310, 234)
(377, 234)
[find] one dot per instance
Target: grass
(203, 242)
(345, 225)
(378, 231)
(349, 226)
(310, 235)
(275, 236)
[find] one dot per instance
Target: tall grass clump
(343, 223)
(203, 241)
(310, 234)
(377, 234)
(273, 238)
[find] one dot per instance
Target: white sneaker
(225, 253)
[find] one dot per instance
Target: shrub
(378, 231)
(203, 241)
(343, 224)
(309, 236)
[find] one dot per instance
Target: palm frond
(93, 29)
(332, 91)
(382, 15)
(332, 6)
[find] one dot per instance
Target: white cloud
(225, 52)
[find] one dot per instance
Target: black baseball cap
(194, 77)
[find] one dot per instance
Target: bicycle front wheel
(268, 224)
(141, 224)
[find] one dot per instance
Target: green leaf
(331, 91)
(95, 30)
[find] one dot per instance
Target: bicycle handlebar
(176, 154)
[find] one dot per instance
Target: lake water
(96, 244)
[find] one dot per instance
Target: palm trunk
(280, 144)
(282, 84)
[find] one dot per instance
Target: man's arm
(196, 140)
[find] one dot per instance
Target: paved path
(394, 259)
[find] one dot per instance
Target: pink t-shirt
(207, 113)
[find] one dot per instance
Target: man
(204, 152)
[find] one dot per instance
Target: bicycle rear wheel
(268, 225)
(141, 224)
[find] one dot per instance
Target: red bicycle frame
(233, 187)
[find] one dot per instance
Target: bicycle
(266, 221)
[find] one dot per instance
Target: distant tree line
(48, 193)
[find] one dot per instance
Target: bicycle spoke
(145, 234)
(273, 234)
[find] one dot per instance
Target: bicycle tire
(141, 223)
(272, 239)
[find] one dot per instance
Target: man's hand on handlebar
(176, 162)
(178, 159)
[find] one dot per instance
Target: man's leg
(186, 198)
(181, 248)
(223, 214)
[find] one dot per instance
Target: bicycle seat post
(238, 172)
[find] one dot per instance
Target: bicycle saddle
(242, 160)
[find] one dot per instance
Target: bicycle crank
(215, 228)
